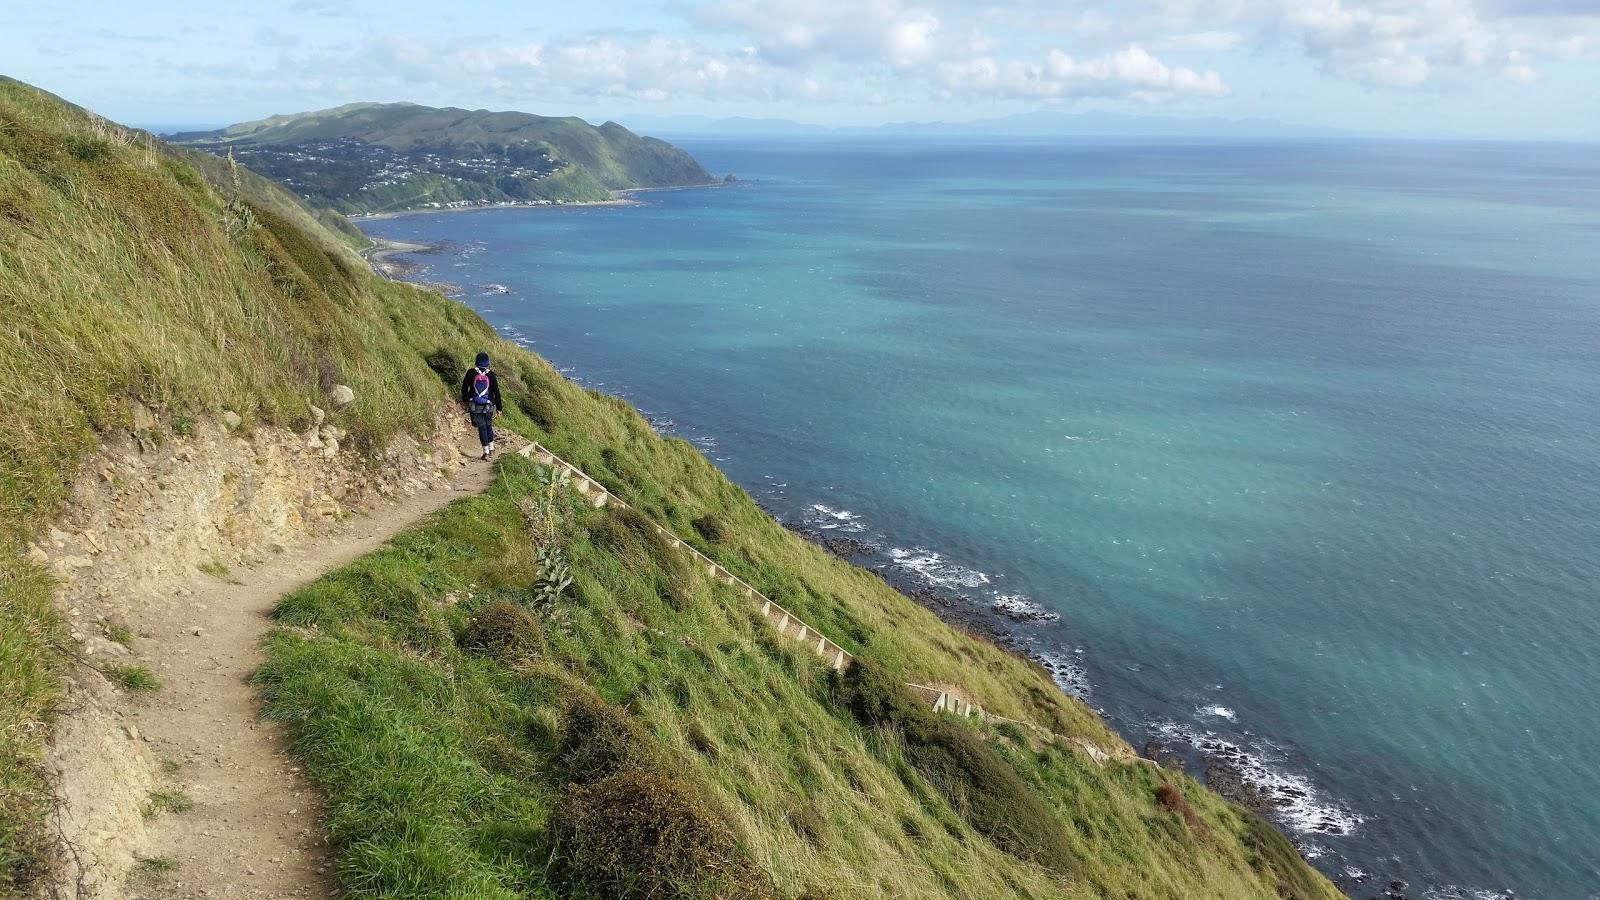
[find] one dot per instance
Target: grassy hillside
(126, 278)
(644, 733)
(378, 157)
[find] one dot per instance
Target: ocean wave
(1217, 711)
(1022, 609)
(1065, 670)
(934, 569)
(1456, 892)
(1298, 803)
(825, 518)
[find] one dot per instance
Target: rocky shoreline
(384, 257)
(387, 259)
(984, 623)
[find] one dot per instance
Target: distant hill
(383, 157)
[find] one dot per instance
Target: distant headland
(375, 158)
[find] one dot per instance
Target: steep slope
(377, 157)
(482, 726)
(135, 299)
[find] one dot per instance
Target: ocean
(1285, 456)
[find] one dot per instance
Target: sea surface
(1300, 443)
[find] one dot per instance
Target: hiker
(480, 393)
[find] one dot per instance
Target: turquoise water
(1300, 442)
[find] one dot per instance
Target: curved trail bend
(255, 828)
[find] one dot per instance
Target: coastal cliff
(526, 694)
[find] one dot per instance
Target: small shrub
(216, 569)
(599, 740)
(1171, 799)
(183, 426)
(648, 835)
(88, 149)
(133, 678)
(503, 630)
(710, 528)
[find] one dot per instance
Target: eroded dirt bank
(170, 557)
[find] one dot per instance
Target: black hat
(482, 361)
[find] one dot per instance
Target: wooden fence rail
(787, 623)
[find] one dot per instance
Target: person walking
(480, 393)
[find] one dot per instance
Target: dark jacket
(494, 388)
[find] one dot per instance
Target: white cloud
(1131, 72)
(1394, 43)
(897, 51)
(1204, 41)
(623, 65)
(797, 32)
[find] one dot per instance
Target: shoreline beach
(564, 204)
(621, 197)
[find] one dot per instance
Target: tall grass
(122, 291)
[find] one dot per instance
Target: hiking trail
(255, 826)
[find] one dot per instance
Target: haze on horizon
(1446, 68)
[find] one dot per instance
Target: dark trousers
(485, 423)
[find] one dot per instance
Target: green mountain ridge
(364, 158)
(529, 696)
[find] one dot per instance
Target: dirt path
(255, 827)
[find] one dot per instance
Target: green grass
(173, 801)
(29, 689)
(116, 633)
(154, 868)
(133, 678)
(438, 703)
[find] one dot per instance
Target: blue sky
(1493, 68)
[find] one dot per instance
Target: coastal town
(356, 176)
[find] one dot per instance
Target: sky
(1522, 69)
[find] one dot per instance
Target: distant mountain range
(1041, 123)
(383, 157)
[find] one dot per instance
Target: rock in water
(341, 396)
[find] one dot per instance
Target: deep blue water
(1301, 441)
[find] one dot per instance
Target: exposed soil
(172, 560)
(255, 827)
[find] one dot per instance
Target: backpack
(480, 389)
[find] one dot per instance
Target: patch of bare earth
(255, 827)
(183, 791)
